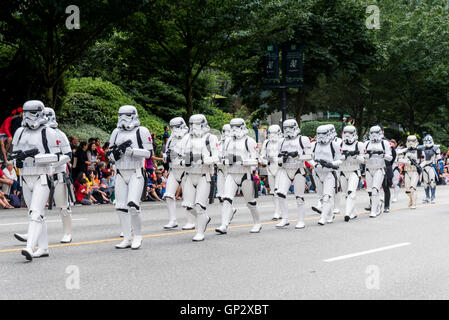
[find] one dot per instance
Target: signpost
(291, 74)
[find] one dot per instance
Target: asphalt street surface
(398, 255)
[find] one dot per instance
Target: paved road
(399, 255)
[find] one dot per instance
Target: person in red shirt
(5, 135)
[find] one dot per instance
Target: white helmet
(274, 132)
(324, 134)
(198, 125)
(332, 131)
(51, 117)
(375, 134)
(34, 114)
(412, 142)
(128, 118)
(238, 128)
(178, 127)
(291, 128)
(428, 141)
(225, 131)
(350, 134)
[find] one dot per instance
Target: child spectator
(83, 195)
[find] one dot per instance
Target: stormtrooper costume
(293, 151)
(178, 129)
(396, 177)
(199, 155)
(431, 154)
(221, 168)
(62, 183)
(269, 158)
(130, 145)
(326, 160)
(377, 151)
(318, 207)
(37, 155)
(352, 156)
(241, 157)
(410, 157)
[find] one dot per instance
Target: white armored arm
(307, 155)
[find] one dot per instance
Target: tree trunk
(49, 96)
(189, 98)
(300, 104)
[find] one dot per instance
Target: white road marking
(48, 221)
(352, 255)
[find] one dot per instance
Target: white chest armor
(127, 162)
(375, 161)
(194, 151)
(175, 148)
(351, 163)
(236, 151)
(272, 151)
(324, 152)
(292, 145)
(413, 154)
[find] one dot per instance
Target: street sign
(293, 66)
(271, 79)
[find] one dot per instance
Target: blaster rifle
(327, 164)
(119, 150)
(415, 164)
(20, 156)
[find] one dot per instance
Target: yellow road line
(157, 235)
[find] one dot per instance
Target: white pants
(221, 178)
(272, 181)
(128, 192)
(285, 179)
(232, 183)
(349, 182)
(326, 184)
(36, 193)
(374, 180)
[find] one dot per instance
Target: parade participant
(293, 151)
(37, 154)
(352, 156)
(429, 161)
(396, 171)
(221, 168)
(389, 175)
(179, 130)
(241, 157)
(269, 158)
(199, 155)
(64, 195)
(130, 145)
(410, 157)
(377, 152)
(326, 160)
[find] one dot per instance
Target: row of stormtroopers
(41, 156)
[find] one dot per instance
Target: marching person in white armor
(269, 158)
(63, 185)
(293, 151)
(318, 207)
(199, 155)
(410, 158)
(37, 154)
(130, 145)
(326, 156)
(429, 160)
(377, 151)
(352, 156)
(179, 130)
(221, 168)
(242, 157)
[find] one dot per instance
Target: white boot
(203, 220)
(34, 231)
(256, 218)
(41, 253)
(301, 215)
(190, 225)
(125, 221)
(136, 223)
(22, 237)
(414, 196)
(171, 207)
(277, 209)
(66, 218)
(226, 210)
(283, 205)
